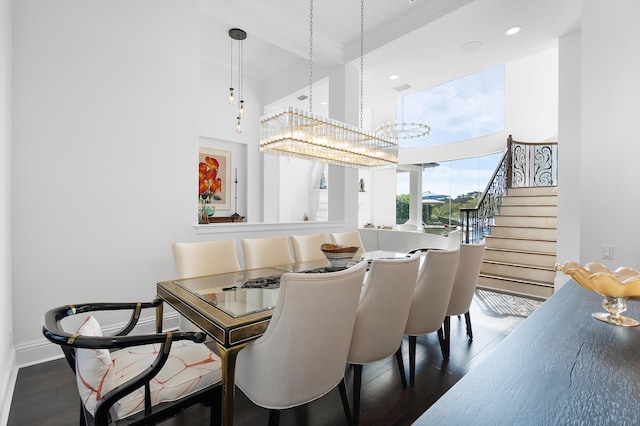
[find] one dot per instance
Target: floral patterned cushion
(94, 369)
(190, 368)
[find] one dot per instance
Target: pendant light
(238, 35)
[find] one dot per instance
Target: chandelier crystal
(300, 134)
(296, 133)
(403, 130)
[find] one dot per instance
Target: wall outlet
(607, 252)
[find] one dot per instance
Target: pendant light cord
(310, 56)
(241, 67)
(361, 62)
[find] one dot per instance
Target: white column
(343, 181)
(415, 195)
(568, 238)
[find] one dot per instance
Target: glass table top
(256, 290)
(238, 293)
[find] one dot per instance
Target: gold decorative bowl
(615, 286)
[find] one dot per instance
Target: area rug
(501, 304)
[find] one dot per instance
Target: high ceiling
(421, 41)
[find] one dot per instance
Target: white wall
(531, 97)
(383, 202)
(111, 103)
(295, 182)
(569, 218)
(105, 137)
(7, 354)
(609, 149)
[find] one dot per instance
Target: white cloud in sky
(461, 109)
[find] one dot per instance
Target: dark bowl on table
(338, 255)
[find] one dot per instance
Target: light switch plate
(607, 252)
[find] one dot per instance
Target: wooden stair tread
(518, 280)
(545, 240)
(528, 205)
(521, 227)
(519, 265)
(544, 253)
(519, 215)
(528, 220)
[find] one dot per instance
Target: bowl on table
(615, 286)
(338, 255)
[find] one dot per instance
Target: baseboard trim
(39, 351)
(8, 384)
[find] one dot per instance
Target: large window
(447, 187)
(458, 110)
(461, 109)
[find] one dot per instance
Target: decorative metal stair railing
(524, 164)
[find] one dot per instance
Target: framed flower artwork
(214, 180)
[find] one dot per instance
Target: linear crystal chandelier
(298, 133)
(302, 134)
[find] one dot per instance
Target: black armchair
(135, 379)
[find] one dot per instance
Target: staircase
(521, 250)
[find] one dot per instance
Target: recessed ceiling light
(513, 30)
(323, 103)
(471, 46)
(394, 77)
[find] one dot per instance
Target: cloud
(461, 109)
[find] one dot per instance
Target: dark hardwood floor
(46, 394)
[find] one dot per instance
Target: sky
(456, 177)
(461, 109)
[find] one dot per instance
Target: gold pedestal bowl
(615, 286)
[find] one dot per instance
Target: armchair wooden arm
(70, 342)
(53, 331)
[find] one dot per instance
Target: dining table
(559, 367)
(235, 308)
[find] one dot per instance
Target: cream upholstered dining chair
(205, 258)
(382, 316)
(303, 353)
(464, 287)
(453, 238)
(266, 252)
(431, 299)
(306, 248)
(350, 239)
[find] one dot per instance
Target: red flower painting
(209, 184)
(213, 182)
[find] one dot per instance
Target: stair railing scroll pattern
(524, 164)
(477, 221)
(533, 164)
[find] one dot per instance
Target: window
(447, 187)
(461, 109)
